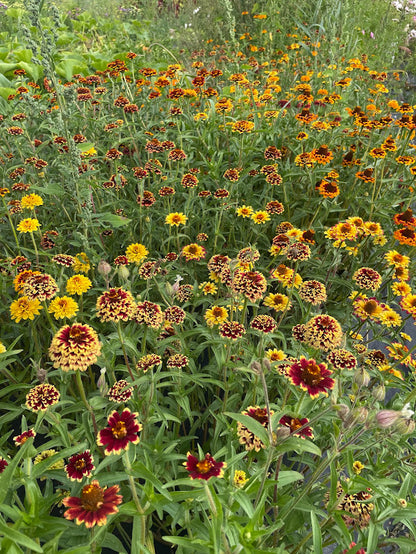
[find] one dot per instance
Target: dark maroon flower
(294, 424)
(311, 377)
(122, 430)
(80, 466)
(205, 468)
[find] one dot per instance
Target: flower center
(312, 374)
(92, 498)
(370, 307)
(203, 466)
(119, 430)
(260, 414)
(79, 464)
(295, 424)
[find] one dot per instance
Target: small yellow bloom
(208, 288)
(136, 252)
(215, 316)
(28, 225)
(81, 263)
(260, 216)
(24, 308)
(78, 284)
(239, 479)
(63, 307)
(2, 348)
(357, 467)
(275, 355)
(244, 211)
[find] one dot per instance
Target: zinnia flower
(367, 278)
(80, 466)
(31, 201)
(40, 287)
(3, 464)
(294, 424)
(149, 361)
(122, 429)
(148, 313)
(22, 438)
(231, 330)
(323, 332)
(28, 225)
(311, 377)
(93, 505)
(75, 347)
(215, 315)
(115, 304)
(263, 323)
(246, 437)
(78, 284)
(177, 218)
(24, 308)
(120, 391)
(251, 284)
(193, 252)
(63, 307)
(136, 252)
(205, 468)
(41, 397)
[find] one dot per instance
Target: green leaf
(141, 471)
(33, 69)
(19, 537)
(252, 425)
(316, 533)
(5, 92)
(288, 477)
(298, 445)
(112, 219)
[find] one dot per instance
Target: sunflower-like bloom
(122, 429)
(93, 505)
(75, 347)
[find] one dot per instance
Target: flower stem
(81, 390)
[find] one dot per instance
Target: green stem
(81, 390)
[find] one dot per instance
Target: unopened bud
(379, 392)
(255, 366)
(101, 383)
(41, 374)
(267, 364)
(342, 409)
(361, 377)
(123, 272)
(360, 414)
(387, 418)
(282, 433)
(402, 502)
(405, 426)
(104, 268)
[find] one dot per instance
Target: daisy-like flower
(120, 392)
(63, 307)
(244, 211)
(28, 225)
(177, 361)
(364, 307)
(405, 236)
(263, 323)
(75, 347)
(149, 361)
(40, 287)
(242, 126)
(41, 397)
(208, 288)
(286, 276)
(93, 505)
(246, 437)
(136, 252)
(44, 455)
(23, 437)
(24, 308)
(313, 292)
(311, 377)
(78, 284)
(115, 305)
(205, 468)
(81, 263)
(408, 304)
(3, 464)
(148, 313)
(31, 201)
(64, 260)
(323, 332)
(396, 259)
(2, 348)
(176, 218)
(298, 252)
(367, 278)
(261, 216)
(251, 284)
(295, 424)
(80, 466)
(231, 330)
(193, 252)
(122, 429)
(215, 315)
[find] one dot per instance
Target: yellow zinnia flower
(136, 252)
(63, 307)
(78, 284)
(176, 218)
(23, 308)
(28, 225)
(31, 201)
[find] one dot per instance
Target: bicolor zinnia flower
(80, 466)
(40, 287)
(175, 314)
(367, 278)
(23, 437)
(115, 304)
(205, 468)
(122, 429)
(246, 437)
(75, 347)
(24, 308)
(323, 332)
(177, 361)
(231, 330)
(295, 425)
(41, 397)
(93, 505)
(251, 284)
(263, 323)
(342, 359)
(313, 292)
(120, 391)
(3, 464)
(63, 307)
(148, 313)
(149, 361)
(311, 377)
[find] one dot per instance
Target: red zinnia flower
(148, 313)
(3, 464)
(263, 323)
(122, 429)
(311, 377)
(21, 439)
(205, 468)
(294, 424)
(93, 505)
(120, 391)
(175, 314)
(115, 304)
(148, 362)
(80, 466)
(231, 330)
(251, 284)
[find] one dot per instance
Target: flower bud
(101, 383)
(256, 367)
(104, 268)
(402, 502)
(342, 409)
(360, 414)
(379, 392)
(267, 364)
(123, 272)
(41, 374)
(361, 377)
(281, 433)
(387, 418)
(405, 426)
